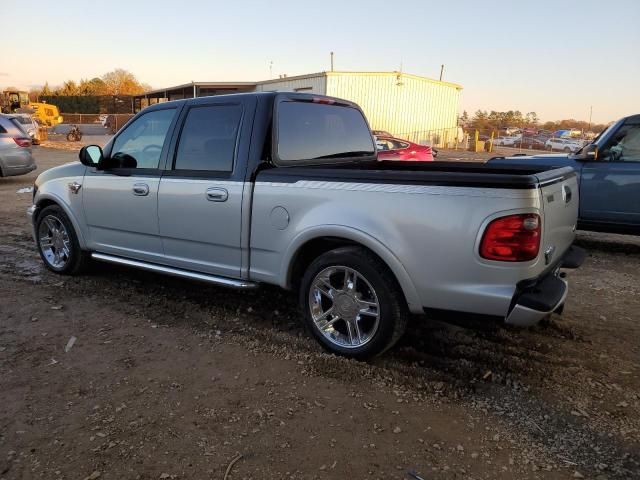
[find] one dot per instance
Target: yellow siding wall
(417, 105)
(317, 83)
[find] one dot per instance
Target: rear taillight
(515, 238)
(325, 101)
(22, 142)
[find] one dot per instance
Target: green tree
(46, 90)
(480, 120)
(95, 86)
(69, 88)
(532, 119)
(463, 120)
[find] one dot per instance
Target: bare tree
(121, 82)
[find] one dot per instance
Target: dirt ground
(169, 379)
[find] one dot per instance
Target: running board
(176, 272)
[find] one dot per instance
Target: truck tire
(58, 244)
(352, 303)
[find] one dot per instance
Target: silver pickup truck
(286, 189)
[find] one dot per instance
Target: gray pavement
(85, 128)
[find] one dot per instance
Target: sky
(557, 58)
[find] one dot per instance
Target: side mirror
(91, 155)
(590, 152)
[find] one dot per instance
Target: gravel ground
(170, 379)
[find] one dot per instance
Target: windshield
(597, 137)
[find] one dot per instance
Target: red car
(390, 148)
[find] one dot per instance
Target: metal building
(417, 108)
(408, 106)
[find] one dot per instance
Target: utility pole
(590, 114)
(441, 71)
(332, 61)
(270, 69)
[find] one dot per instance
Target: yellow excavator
(12, 100)
(15, 101)
(47, 113)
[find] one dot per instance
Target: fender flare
(61, 203)
(358, 236)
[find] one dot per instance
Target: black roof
(271, 95)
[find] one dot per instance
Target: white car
(505, 141)
(563, 145)
(29, 125)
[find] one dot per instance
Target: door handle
(217, 194)
(140, 189)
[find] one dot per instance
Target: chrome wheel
(54, 242)
(344, 307)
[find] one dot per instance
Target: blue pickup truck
(609, 174)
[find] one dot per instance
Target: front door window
(624, 147)
(140, 144)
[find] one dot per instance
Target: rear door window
(309, 132)
(208, 139)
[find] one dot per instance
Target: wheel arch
(46, 200)
(313, 242)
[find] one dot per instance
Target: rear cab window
(317, 131)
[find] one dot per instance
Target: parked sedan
(390, 148)
(29, 125)
(15, 148)
(563, 145)
(505, 141)
(530, 143)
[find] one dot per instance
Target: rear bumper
(537, 298)
(19, 170)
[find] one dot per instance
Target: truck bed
(462, 174)
(427, 216)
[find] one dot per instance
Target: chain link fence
(457, 138)
(111, 122)
(526, 140)
(453, 138)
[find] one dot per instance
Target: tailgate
(559, 191)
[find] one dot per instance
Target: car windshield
(597, 137)
(24, 120)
